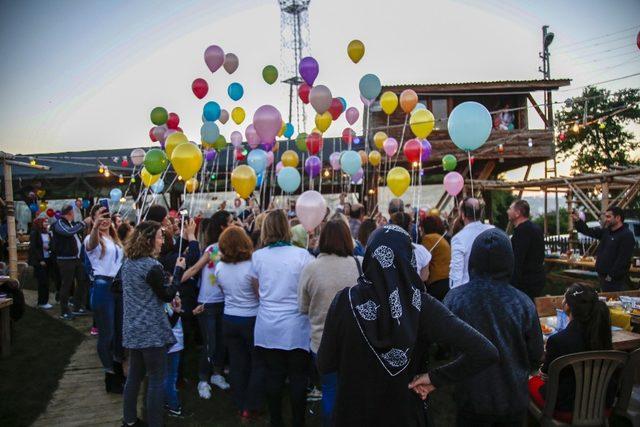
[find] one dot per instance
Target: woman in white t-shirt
(282, 333)
(233, 274)
(105, 254)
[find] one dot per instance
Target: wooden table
(5, 327)
(622, 340)
(584, 264)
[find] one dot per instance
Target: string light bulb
(500, 148)
(530, 142)
(133, 179)
(179, 178)
(100, 169)
(32, 162)
(575, 128)
(107, 174)
(326, 173)
(414, 164)
(371, 191)
(120, 179)
(123, 200)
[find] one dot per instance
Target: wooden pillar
(605, 196)
(11, 220)
(570, 220)
(546, 211)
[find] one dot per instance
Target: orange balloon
(363, 157)
(408, 100)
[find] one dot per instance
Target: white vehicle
(633, 224)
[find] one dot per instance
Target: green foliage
(500, 202)
(598, 146)
(551, 221)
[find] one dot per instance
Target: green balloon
(301, 141)
(155, 161)
(159, 116)
(220, 143)
(449, 162)
(270, 74)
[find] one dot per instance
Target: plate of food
(546, 329)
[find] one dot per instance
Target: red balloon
(335, 109)
(314, 143)
(179, 129)
(151, 135)
(562, 136)
(638, 40)
(200, 88)
(347, 135)
(472, 160)
(125, 163)
(50, 213)
(303, 92)
(239, 156)
(413, 150)
(173, 121)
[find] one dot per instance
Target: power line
(566, 46)
(608, 57)
(602, 82)
(599, 52)
(610, 67)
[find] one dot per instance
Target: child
(172, 402)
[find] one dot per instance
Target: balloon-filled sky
(85, 74)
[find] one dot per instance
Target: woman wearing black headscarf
(377, 333)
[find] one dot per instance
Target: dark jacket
(36, 247)
(614, 251)
(528, 251)
(65, 245)
(507, 318)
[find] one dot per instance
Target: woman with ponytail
(589, 329)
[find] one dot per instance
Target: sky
(84, 74)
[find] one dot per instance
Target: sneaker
(314, 395)
(220, 382)
(45, 306)
(204, 390)
(79, 312)
(174, 412)
(94, 331)
(67, 316)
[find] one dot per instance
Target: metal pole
(11, 220)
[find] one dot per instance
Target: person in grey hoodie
(505, 316)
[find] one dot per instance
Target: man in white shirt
(470, 214)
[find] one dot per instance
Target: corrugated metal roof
(495, 84)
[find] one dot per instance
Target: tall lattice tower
(294, 45)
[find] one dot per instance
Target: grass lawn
(41, 349)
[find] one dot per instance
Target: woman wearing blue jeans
(104, 251)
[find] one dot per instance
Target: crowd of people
(352, 307)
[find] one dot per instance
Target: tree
(551, 221)
(601, 140)
(500, 202)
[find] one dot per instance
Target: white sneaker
(45, 306)
(204, 390)
(220, 382)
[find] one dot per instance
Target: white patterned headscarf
(387, 300)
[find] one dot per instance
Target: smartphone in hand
(104, 203)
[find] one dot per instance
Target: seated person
(589, 329)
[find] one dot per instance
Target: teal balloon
(288, 179)
(257, 160)
(343, 102)
(469, 125)
(209, 132)
(288, 130)
(211, 111)
(158, 186)
(115, 195)
(370, 86)
(235, 91)
(350, 162)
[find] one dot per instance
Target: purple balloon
(267, 146)
(334, 160)
(252, 136)
(58, 214)
(309, 69)
(214, 57)
(312, 166)
(357, 176)
(210, 155)
(267, 122)
(426, 150)
(236, 138)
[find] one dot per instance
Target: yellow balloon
(186, 160)
(355, 50)
(434, 212)
(363, 157)
(378, 139)
(374, 157)
(282, 129)
(192, 185)
(290, 158)
(243, 180)
(237, 115)
(42, 206)
(398, 180)
(421, 123)
(173, 141)
(389, 102)
(316, 130)
(147, 178)
(207, 145)
(323, 121)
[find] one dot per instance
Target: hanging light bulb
(123, 200)
(371, 191)
(32, 161)
(107, 174)
(575, 128)
(414, 164)
(100, 169)
(326, 173)
(213, 176)
(530, 142)
(179, 178)
(601, 124)
(500, 148)
(121, 180)
(133, 179)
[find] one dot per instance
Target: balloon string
(470, 172)
(406, 118)
(182, 225)
(417, 218)
(226, 170)
(133, 173)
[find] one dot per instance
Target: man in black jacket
(528, 249)
(615, 249)
(67, 242)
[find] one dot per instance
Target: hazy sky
(83, 74)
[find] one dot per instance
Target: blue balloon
(158, 186)
(370, 86)
(343, 102)
(257, 160)
(350, 162)
(86, 203)
(115, 195)
(289, 179)
(209, 132)
(259, 180)
(288, 130)
(419, 106)
(33, 207)
(235, 91)
(211, 111)
(469, 125)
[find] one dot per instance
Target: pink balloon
(269, 158)
(390, 146)
(236, 138)
(158, 133)
(279, 167)
(311, 209)
(224, 116)
(320, 98)
(252, 136)
(352, 114)
(267, 122)
(334, 160)
(214, 57)
(453, 183)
